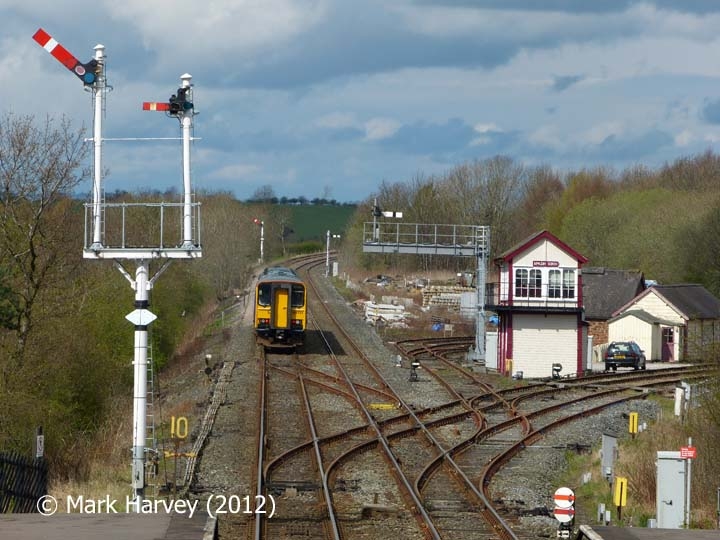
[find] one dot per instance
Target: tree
(264, 194)
(40, 165)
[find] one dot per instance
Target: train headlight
(296, 324)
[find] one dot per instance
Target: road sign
(688, 452)
(564, 497)
(564, 515)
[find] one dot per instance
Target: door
(667, 352)
(281, 311)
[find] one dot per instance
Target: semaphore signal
(87, 73)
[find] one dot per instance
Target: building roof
(643, 316)
(690, 300)
(534, 239)
(605, 290)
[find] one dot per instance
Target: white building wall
(657, 307)
(545, 251)
(539, 341)
(631, 328)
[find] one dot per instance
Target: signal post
(117, 244)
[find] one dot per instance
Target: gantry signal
(87, 73)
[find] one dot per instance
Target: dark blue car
(624, 354)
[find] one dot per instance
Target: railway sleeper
(284, 487)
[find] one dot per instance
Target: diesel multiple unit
(280, 308)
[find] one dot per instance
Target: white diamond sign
(141, 317)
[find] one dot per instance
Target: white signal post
(99, 89)
(187, 137)
(261, 224)
(92, 75)
(327, 252)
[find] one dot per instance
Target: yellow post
(633, 424)
(620, 494)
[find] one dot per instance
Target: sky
(330, 98)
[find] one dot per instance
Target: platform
(120, 526)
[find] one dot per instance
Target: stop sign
(564, 497)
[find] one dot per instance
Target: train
(280, 308)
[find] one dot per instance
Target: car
(624, 354)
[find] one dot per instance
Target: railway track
(350, 448)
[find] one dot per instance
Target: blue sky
(331, 98)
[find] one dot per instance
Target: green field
(311, 222)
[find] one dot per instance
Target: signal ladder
(152, 458)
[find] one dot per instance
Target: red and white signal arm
(564, 515)
(564, 497)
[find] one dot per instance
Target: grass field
(311, 222)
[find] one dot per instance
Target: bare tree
(229, 244)
(40, 165)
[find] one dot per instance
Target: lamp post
(261, 224)
(327, 252)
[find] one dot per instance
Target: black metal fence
(23, 481)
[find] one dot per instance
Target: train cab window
(298, 296)
(264, 294)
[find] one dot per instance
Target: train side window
(298, 296)
(264, 294)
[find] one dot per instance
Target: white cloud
(380, 128)
(336, 120)
(600, 132)
(547, 136)
(684, 138)
(233, 28)
(484, 128)
(235, 171)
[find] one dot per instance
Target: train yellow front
(280, 308)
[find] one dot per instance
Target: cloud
(631, 147)
(710, 112)
(336, 120)
(380, 128)
(563, 82)
(573, 6)
(234, 171)
(430, 138)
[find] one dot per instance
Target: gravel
(226, 465)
